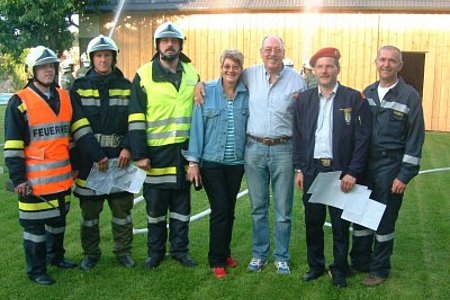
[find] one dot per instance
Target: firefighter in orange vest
(38, 122)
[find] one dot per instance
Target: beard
(169, 57)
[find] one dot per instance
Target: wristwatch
(297, 170)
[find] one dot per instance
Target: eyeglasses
(271, 50)
(231, 67)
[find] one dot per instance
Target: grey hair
(274, 36)
(390, 47)
(234, 55)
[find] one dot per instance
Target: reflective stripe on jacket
(48, 168)
(169, 111)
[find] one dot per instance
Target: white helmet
(306, 64)
(68, 64)
(288, 62)
(168, 30)
(100, 43)
(39, 56)
(85, 59)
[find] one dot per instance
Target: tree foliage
(25, 24)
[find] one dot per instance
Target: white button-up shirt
(324, 133)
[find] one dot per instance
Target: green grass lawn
(421, 260)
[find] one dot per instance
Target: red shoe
(219, 272)
(231, 262)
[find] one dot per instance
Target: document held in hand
(356, 205)
(129, 179)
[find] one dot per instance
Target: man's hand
(199, 93)
(299, 180)
(144, 164)
(21, 189)
(193, 174)
(103, 164)
(398, 187)
(347, 183)
(124, 158)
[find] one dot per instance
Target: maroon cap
(325, 52)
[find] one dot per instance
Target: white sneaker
(282, 267)
(256, 264)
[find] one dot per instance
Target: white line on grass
(206, 212)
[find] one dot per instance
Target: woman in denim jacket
(216, 154)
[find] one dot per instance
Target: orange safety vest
(47, 162)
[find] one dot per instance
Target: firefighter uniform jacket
(159, 122)
(104, 101)
(397, 126)
(37, 134)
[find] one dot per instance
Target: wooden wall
(356, 35)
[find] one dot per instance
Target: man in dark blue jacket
(398, 134)
(331, 133)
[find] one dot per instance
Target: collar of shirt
(336, 86)
(323, 147)
(163, 71)
(267, 74)
(382, 91)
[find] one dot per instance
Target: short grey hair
(234, 55)
(272, 36)
(390, 47)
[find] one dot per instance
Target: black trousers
(371, 252)
(222, 184)
(43, 242)
(315, 215)
(178, 203)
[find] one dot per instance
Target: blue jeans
(264, 166)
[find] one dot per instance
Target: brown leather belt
(268, 141)
(324, 162)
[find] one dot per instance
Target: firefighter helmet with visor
(168, 30)
(39, 56)
(101, 43)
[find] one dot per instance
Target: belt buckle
(267, 141)
(325, 162)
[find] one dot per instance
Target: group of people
(261, 121)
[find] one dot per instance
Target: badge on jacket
(347, 114)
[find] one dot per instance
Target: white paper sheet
(370, 218)
(129, 179)
(356, 204)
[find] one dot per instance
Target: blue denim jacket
(209, 124)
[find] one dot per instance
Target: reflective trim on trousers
(34, 238)
(180, 217)
(39, 215)
(161, 179)
(55, 230)
(363, 232)
(125, 221)
(157, 220)
(385, 237)
(89, 223)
